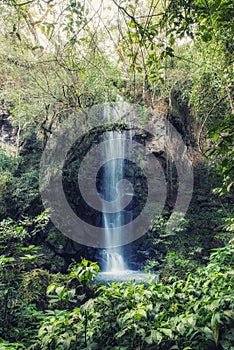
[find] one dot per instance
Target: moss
(34, 286)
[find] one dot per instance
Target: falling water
(118, 148)
(113, 173)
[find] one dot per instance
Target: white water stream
(113, 173)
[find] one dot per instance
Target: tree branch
(22, 3)
(121, 8)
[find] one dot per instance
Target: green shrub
(22, 288)
(196, 313)
(5, 345)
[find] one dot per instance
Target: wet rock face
(155, 141)
(141, 250)
(8, 133)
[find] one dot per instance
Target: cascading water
(113, 173)
(118, 148)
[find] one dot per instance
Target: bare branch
(14, 4)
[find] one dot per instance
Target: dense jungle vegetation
(62, 57)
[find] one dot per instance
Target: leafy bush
(5, 345)
(197, 314)
(73, 287)
(189, 244)
(21, 287)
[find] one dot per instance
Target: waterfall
(112, 174)
(119, 189)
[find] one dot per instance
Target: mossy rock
(34, 286)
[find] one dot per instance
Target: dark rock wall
(178, 113)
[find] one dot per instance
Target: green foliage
(84, 272)
(8, 164)
(34, 286)
(64, 294)
(53, 65)
(5, 345)
(74, 287)
(197, 313)
(11, 237)
(19, 184)
(22, 289)
(188, 46)
(193, 312)
(221, 155)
